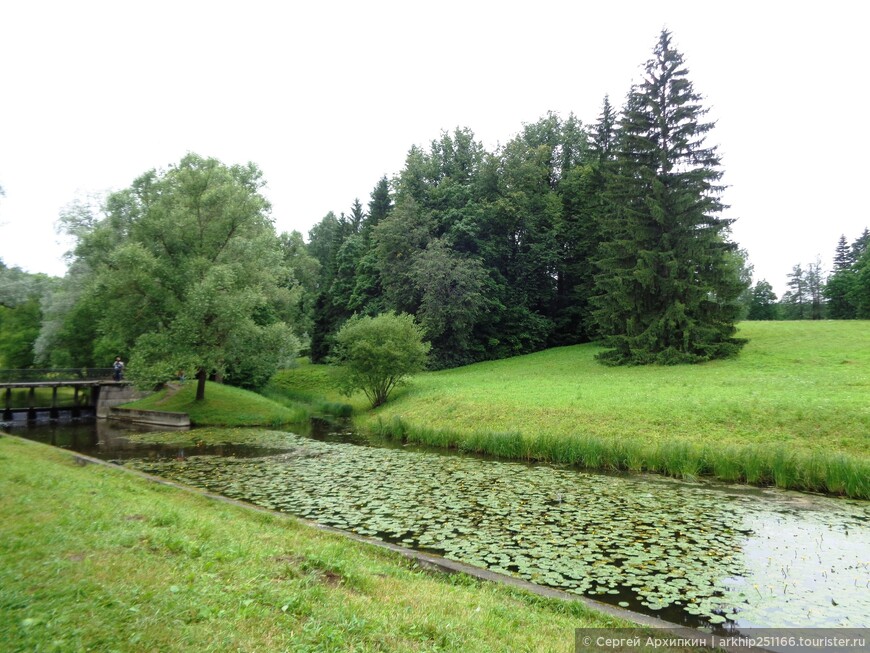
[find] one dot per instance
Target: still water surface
(704, 555)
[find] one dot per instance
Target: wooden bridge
(88, 385)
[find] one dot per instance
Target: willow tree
(190, 275)
(668, 288)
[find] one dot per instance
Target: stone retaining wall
(155, 417)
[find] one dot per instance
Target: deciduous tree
(190, 275)
(763, 302)
(21, 295)
(376, 354)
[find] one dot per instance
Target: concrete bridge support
(7, 405)
(113, 395)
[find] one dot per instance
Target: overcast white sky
(327, 97)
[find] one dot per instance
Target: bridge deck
(18, 385)
(89, 398)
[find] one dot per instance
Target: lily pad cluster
(695, 554)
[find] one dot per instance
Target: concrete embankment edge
(153, 417)
(430, 561)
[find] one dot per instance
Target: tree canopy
(563, 235)
(848, 289)
(21, 295)
(185, 273)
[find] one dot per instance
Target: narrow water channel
(704, 555)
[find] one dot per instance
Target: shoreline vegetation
(791, 411)
(96, 558)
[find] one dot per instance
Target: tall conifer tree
(842, 255)
(848, 288)
(380, 203)
(667, 289)
(601, 140)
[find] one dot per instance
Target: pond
(703, 555)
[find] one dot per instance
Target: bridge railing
(71, 374)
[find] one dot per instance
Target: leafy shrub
(378, 353)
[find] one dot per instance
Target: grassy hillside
(805, 383)
(93, 558)
(315, 386)
(792, 409)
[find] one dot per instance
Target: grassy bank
(278, 404)
(314, 386)
(224, 406)
(93, 558)
(791, 410)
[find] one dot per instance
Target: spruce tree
(602, 139)
(861, 244)
(848, 288)
(357, 217)
(380, 203)
(843, 259)
(667, 290)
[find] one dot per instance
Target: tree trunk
(200, 384)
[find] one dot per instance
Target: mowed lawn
(802, 384)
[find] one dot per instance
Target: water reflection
(115, 441)
(807, 560)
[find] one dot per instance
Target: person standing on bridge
(118, 369)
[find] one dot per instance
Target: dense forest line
(565, 234)
(611, 231)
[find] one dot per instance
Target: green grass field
(793, 410)
(803, 383)
(95, 559)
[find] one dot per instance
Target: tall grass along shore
(793, 410)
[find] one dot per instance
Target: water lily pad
(701, 549)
